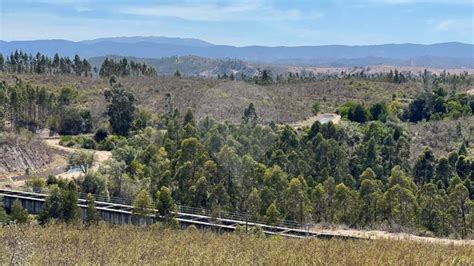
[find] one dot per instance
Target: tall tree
(121, 109)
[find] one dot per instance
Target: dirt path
(322, 118)
(99, 158)
(377, 234)
(58, 166)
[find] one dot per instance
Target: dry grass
(60, 244)
(226, 100)
(441, 136)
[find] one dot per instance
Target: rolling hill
(443, 55)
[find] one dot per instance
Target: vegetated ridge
(447, 55)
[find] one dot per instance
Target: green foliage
(438, 105)
(315, 108)
(4, 218)
(165, 204)
(142, 204)
(94, 183)
(121, 109)
(36, 182)
(21, 62)
(70, 211)
(81, 159)
(18, 213)
(101, 134)
(123, 68)
(359, 113)
(61, 204)
(272, 214)
(92, 217)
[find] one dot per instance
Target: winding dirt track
(323, 118)
(58, 167)
(99, 156)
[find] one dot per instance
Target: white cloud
(241, 11)
(453, 24)
(401, 2)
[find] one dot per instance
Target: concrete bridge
(121, 213)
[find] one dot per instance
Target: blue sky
(243, 22)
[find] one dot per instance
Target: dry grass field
(61, 244)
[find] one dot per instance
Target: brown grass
(60, 244)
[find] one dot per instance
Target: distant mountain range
(441, 55)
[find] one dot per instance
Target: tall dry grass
(104, 244)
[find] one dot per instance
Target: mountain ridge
(450, 54)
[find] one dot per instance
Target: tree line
(122, 68)
(430, 105)
(25, 106)
(20, 62)
(427, 78)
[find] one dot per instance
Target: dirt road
(378, 234)
(58, 167)
(99, 156)
(322, 118)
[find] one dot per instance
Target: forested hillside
(362, 173)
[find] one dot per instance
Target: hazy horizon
(243, 23)
(226, 44)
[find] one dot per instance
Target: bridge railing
(236, 216)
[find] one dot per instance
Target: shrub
(36, 182)
(111, 142)
(101, 134)
(89, 143)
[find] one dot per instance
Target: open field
(61, 244)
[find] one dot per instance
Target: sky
(243, 22)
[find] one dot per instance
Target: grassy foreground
(103, 244)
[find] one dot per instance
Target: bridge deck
(124, 214)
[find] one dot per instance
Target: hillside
(442, 55)
(18, 154)
(225, 99)
(189, 65)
